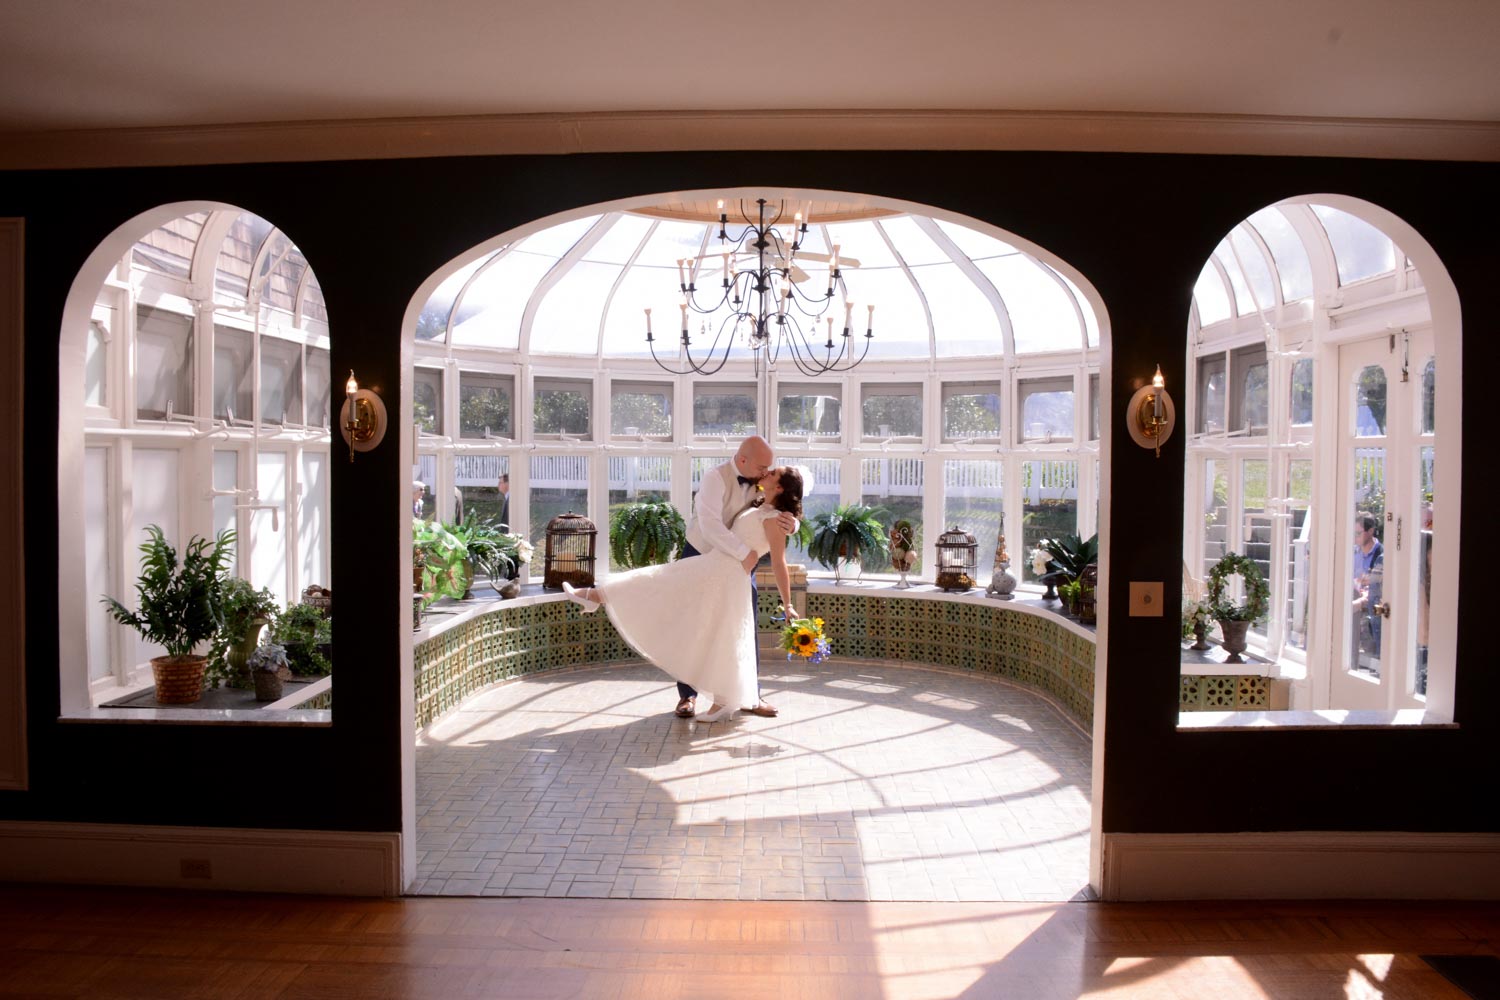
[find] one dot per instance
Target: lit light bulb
(351, 386)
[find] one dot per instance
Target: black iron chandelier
(767, 308)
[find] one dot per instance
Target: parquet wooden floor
(60, 942)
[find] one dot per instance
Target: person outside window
(1369, 572)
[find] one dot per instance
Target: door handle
(1381, 608)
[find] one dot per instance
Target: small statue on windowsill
(1002, 584)
(903, 550)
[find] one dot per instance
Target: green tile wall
(1026, 648)
(1200, 693)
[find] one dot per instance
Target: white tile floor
(877, 782)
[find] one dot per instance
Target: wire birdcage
(957, 555)
(570, 551)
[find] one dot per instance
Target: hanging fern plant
(852, 531)
(645, 533)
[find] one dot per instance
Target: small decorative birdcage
(570, 551)
(957, 555)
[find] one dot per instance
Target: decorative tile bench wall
(498, 641)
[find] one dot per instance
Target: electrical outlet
(196, 868)
(1145, 600)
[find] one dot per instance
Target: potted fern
(848, 533)
(645, 533)
(180, 607)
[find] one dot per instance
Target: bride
(690, 617)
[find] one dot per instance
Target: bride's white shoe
(723, 712)
(587, 606)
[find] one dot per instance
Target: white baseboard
(190, 857)
(1311, 865)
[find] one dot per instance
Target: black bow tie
(746, 480)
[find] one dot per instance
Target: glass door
(1386, 445)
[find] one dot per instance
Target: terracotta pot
(179, 679)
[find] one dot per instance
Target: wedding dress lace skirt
(692, 617)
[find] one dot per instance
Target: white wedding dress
(692, 617)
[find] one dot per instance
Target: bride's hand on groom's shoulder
(786, 522)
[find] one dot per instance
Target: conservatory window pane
(554, 241)
(483, 484)
(562, 407)
(1209, 294)
(822, 498)
(233, 378)
(1361, 250)
(485, 402)
(972, 499)
(280, 290)
(636, 479)
(1090, 321)
(1215, 513)
(227, 477)
(720, 408)
(427, 399)
(1292, 264)
(899, 322)
(567, 321)
(1299, 553)
(1049, 505)
(623, 237)
(168, 249)
(975, 244)
(1302, 392)
(155, 478)
(1094, 407)
(1429, 397)
(809, 411)
(890, 410)
(432, 324)
(268, 553)
(164, 363)
(237, 256)
(971, 410)
(1046, 409)
(312, 533)
(1250, 403)
(893, 486)
(653, 288)
(489, 313)
(1369, 403)
(96, 365)
(319, 388)
(424, 505)
(1255, 522)
(559, 485)
(964, 320)
(280, 381)
(702, 465)
(1041, 313)
(97, 514)
(641, 408)
(915, 247)
(1212, 397)
(314, 308)
(1243, 304)
(1257, 271)
(858, 241)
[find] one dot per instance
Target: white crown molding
(1300, 865)
(617, 132)
(326, 862)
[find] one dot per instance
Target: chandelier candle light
(767, 324)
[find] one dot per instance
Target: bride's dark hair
(790, 499)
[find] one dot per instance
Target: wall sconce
(362, 419)
(1151, 414)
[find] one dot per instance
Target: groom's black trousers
(684, 690)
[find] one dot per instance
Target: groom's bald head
(754, 458)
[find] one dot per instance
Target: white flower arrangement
(1039, 560)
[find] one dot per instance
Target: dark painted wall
(1140, 227)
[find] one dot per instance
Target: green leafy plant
(269, 657)
(1257, 592)
(443, 558)
(1195, 615)
(180, 606)
(1069, 592)
(303, 631)
(645, 533)
(849, 531)
(243, 606)
(1070, 554)
(491, 549)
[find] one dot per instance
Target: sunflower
(806, 642)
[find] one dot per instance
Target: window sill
(1218, 722)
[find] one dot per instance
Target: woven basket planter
(179, 679)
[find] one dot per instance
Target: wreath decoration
(1257, 591)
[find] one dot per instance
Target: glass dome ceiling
(941, 290)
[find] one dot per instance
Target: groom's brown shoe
(684, 708)
(763, 710)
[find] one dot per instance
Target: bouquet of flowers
(804, 637)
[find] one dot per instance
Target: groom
(724, 492)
